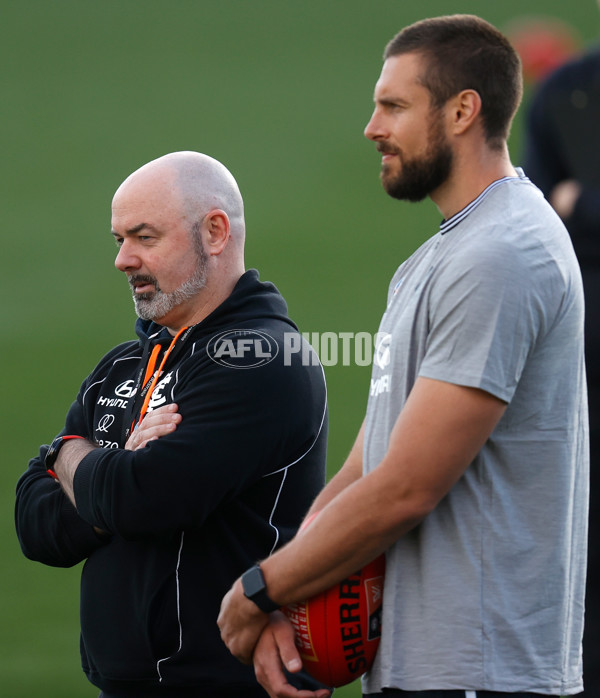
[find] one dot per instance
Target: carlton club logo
(242, 348)
(157, 398)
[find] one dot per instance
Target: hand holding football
(338, 631)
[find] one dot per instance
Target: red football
(338, 631)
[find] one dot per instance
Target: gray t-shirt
(488, 591)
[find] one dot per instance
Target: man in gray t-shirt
(476, 595)
(471, 468)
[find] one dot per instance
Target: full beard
(419, 177)
(154, 305)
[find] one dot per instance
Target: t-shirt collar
(453, 221)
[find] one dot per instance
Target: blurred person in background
(562, 157)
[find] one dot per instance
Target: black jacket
(562, 142)
(191, 511)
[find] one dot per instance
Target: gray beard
(156, 304)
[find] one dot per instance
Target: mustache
(141, 279)
(387, 149)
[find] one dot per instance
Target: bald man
(189, 453)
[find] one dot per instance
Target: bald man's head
(196, 184)
(179, 224)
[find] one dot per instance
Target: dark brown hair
(465, 52)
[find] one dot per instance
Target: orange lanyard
(150, 371)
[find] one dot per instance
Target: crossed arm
(156, 424)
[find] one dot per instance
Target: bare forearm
(370, 514)
(328, 551)
(71, 454)
(348, 474)
(317, 558)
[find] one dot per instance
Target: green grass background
(278, 90)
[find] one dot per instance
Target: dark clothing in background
(563, 143)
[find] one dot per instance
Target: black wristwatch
(55, 446)
(255, 589)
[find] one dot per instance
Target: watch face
(255, 589)
(253, 582)
(52, 451)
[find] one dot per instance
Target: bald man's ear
(216, 231)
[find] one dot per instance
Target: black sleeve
(547, 163)
(584, 222)
(238, 426)
(48, 526)
(543, 162)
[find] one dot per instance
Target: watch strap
(255, 589)
(53, 449)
